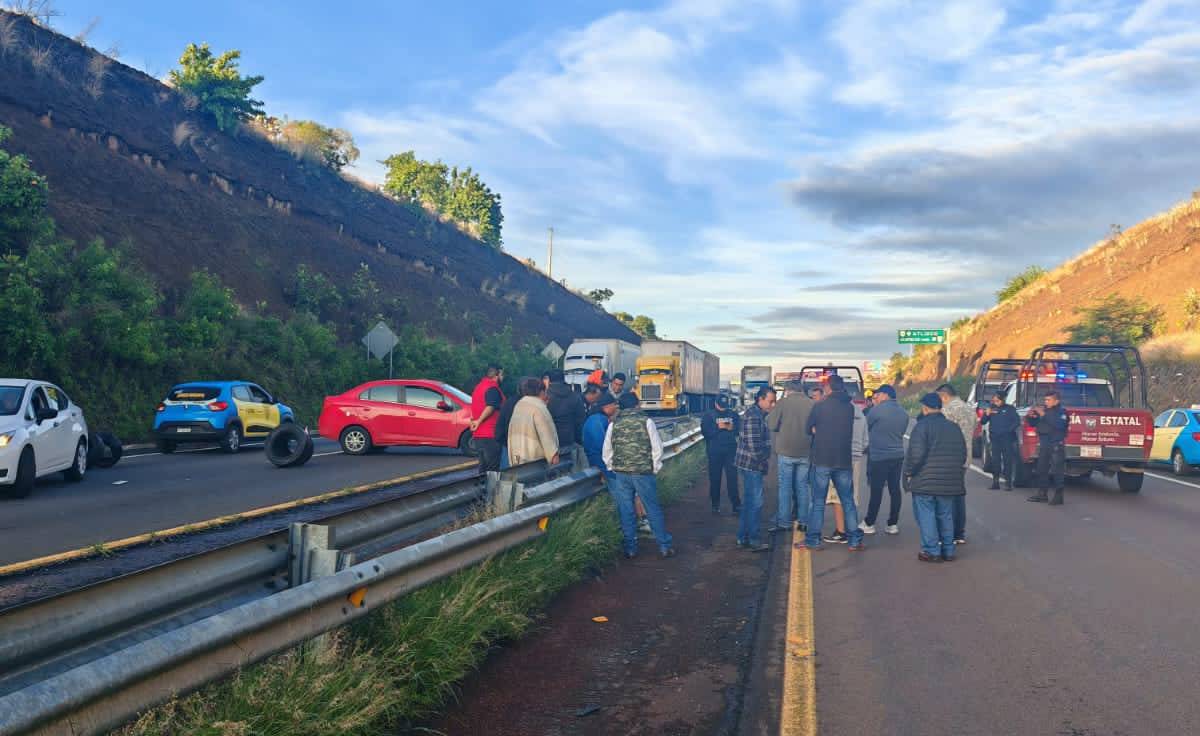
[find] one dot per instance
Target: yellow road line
(93, 550)
(799, 712)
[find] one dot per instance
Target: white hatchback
(41, 432)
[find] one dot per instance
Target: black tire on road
(1179, 466)
(1023, 475)
(231, 441)
(355, 440)
(104, 450)
(166, 447)
(987, 458)
(1130, 482)
(288, 446)
(466, 444)
(78, 468)
(26, 475)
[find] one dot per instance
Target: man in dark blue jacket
(933, 473)
(831, 425)
(594, 429)
(720, 428)
(1003, 424)
(1051, 422)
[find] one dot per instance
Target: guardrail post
(490, 486)
(508, 496)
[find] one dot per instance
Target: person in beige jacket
(531, 432)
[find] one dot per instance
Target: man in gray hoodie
(886, 422)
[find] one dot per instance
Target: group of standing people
(829, 449)
(549, 419)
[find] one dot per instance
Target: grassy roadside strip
(401, 664)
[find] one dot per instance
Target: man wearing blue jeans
(752, 458)
(933, 474)
(788, 422)
(831, 425)
(633, 453)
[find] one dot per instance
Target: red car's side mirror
(443, 406)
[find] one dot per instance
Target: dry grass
(1178, 346)
(8, 35)
(183, 133)
(97, 75)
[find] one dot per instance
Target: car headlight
(6, 438)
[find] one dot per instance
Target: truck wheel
(1130, 482)
(288, 446)
(1179, 466)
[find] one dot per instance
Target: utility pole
(550, 255)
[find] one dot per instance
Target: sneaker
(810, 548)
(892, 529)
(644, 528)
(836, 538)
(668, 552)
(757, 547)
(856, 547)
(716, 510)
(741, 543)
(959, 540)
(924, 557)
(777, 528)
(630, 555)
(947, 558)
(866, 528)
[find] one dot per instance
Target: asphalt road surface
(1077, 620)
(144, 493)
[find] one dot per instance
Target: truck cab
(658, 384)
(1103, 389)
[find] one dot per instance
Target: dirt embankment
(129, 160)
(1157, 260)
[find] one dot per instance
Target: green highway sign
(922, 337)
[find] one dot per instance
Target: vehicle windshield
(10, 399)
(461, 397)
(193, 393)
(1085, 395)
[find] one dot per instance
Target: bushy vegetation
(1115, 319)
(88, 319)
(216, 84)
(458, 194)
(308, 139)
(1014, 285)
(400, 665)
(641, 324)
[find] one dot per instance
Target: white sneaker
(892, 529)
(866, 528)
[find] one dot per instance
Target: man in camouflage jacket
(961, 413)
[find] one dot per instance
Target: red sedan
(397, 412)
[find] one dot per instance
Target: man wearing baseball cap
(886, 424)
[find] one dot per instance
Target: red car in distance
(397, 412)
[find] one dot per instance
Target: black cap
(723, 401)
(628, 400)
(933, 401)
(604, 400)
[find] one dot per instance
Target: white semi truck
(611, 356)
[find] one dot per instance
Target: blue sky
(776, 180)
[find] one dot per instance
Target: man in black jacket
(933, 473)
(720, 428)
(1003, 425)
(831, 425)
(567, 409)
(1051, 422)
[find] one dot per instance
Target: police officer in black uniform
(1002, 436)
(1051, 423)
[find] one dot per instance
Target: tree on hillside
(599, 296)
(641, 324)
(456, 193)
(216, 84)
(1015, 284)
(1115, 319)
(23, 196)
(333, 147)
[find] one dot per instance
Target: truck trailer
(676, 377)
(588, 355)
(754, 377)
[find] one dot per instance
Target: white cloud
(787, 84)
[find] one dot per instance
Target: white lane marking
(1169, 479)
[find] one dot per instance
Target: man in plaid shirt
(752, 458)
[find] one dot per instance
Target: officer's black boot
(1039, 497)
(995, 486)
(1057, 498)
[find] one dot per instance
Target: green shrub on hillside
(23, 196)
(1115, 319)
(216, 84)
(456, 193)
(1015, 284)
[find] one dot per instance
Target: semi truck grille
(651, 392)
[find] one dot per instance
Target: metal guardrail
(87, 661)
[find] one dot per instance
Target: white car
(41, 432)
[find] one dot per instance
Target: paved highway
(145, 493)
(1077, 620)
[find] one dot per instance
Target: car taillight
(1030, 432)
(217, 406)
(161, 407)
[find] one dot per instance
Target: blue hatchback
(225, 412)
(1177, 439)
